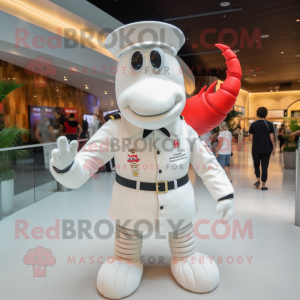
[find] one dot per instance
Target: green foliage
(291, 144)
(294, 125)
(230, 120)
(10, 137)
(6, 87)
(289, 149)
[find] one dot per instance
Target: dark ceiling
(263, 64)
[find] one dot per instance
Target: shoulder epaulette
(114, 116)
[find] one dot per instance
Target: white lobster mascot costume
(153, 147)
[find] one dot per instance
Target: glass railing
(25, 180)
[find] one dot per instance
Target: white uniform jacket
(150, 159)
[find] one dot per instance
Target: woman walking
(262, 135)
(281, 133)
(223, 150)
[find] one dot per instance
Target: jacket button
(160, 171)
(158, 152)
(161, 207)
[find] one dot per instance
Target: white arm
(212, 174)
(91, 157)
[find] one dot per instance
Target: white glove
(64, 155)
(225, 207)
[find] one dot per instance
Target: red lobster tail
(207, 110)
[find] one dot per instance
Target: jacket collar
(131, 130)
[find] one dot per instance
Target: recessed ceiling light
(276, 90)
(298, 20)
(86, 87)
(65, 79)
(34, 96)
(282, 52)
(224, 4)
(254, 75)
(297, 55)
(264, 36)
(271, 91)
(57, 90)
(224, 16)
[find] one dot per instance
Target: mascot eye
(137, 60)
(45, 68)
(156, 59)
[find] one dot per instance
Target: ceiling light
(87, 87)
(276, 90)
(264, 36)
(254, 75)
(246, 78)
(282, 52)
(236, 51)
(271, 91)
(224, 16)
(298, 20)
(65, 79)
(225, 4)
(298, 55)
(34, 96)
(57, 90)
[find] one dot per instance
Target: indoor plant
(9, 137)
(6, 87)
(289, 152)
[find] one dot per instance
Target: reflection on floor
(263, 267)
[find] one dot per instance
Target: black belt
(159, 187)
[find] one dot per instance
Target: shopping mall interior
(57, 69)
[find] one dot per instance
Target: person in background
(223, 150)
(275, 133)
(72, 128)
(281, 133)
(263, 144)
(42, 129)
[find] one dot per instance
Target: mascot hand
(64, 155)
(225, 207)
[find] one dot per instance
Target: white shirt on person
(226, 145)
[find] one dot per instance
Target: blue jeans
(223, 160)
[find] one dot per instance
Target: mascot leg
(120, 276)
(194, 271)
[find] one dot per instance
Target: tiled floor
(265, 266)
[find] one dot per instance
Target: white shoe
(197, 273)
(119, 278)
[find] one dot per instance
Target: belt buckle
(157, 187)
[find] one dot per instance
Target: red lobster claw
(207, 110)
